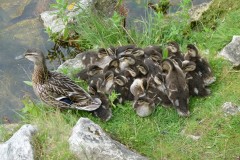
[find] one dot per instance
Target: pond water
(20, 29)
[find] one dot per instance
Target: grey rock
(13, 8)
(19, 147)
(232, 51)
(196, 11)
(89, 142)
(27, 32)
(56, 25)
(75, 63)
(230, 109)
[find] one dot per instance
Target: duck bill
(20, 57)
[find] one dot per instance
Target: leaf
(29, 83)
(165, 54)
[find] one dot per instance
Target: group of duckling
(143, 76)
(140, 75)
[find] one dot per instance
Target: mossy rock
(217, 11)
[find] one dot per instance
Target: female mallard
(56, 89)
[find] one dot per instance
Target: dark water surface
(20, 29)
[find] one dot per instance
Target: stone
(232, 51)
(230, 109)
(196, 11)
(14, 8)
(89, 141)
(19, 147)
(195, 137)
(56, 24)
(75, 63)
(27, 32)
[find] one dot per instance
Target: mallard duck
(177, 88)
(202, 66)
(56, 89)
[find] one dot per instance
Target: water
(21, 29)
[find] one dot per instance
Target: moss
(217, 12)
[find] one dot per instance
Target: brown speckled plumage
(56, 89)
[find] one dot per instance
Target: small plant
(112, 97)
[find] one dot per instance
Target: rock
(196, 11)
(232, 51)
(230, 109)
(14, 8)
(89, 141)
(28, 32)
(195, 137)
(56, 25)
(19, 147)
(75, 63)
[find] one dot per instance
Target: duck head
(33, 55)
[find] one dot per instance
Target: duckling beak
(20, 57)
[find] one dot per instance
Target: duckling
(195, 82)
(138, 87)
(142, 68)
(86, 73)
(97, 80)
(144, 106)
(126, 61)
(103, 58)
(202, 66)
(104, 112)
(121, 86)
(158, 87)
(82, 74)
(108, 82)
(153, 68)
(174, 52)
(124, 50)
(154, 53)
(177, 88)
(138, 53)
(56, 89)
(94, 70)
(113, 66)
(88, 58)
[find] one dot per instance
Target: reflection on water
(21, 29)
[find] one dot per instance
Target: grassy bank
(163, 135)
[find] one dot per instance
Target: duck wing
(62, 92)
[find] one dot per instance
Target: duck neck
(40, 73)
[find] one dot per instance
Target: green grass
(159, 136)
